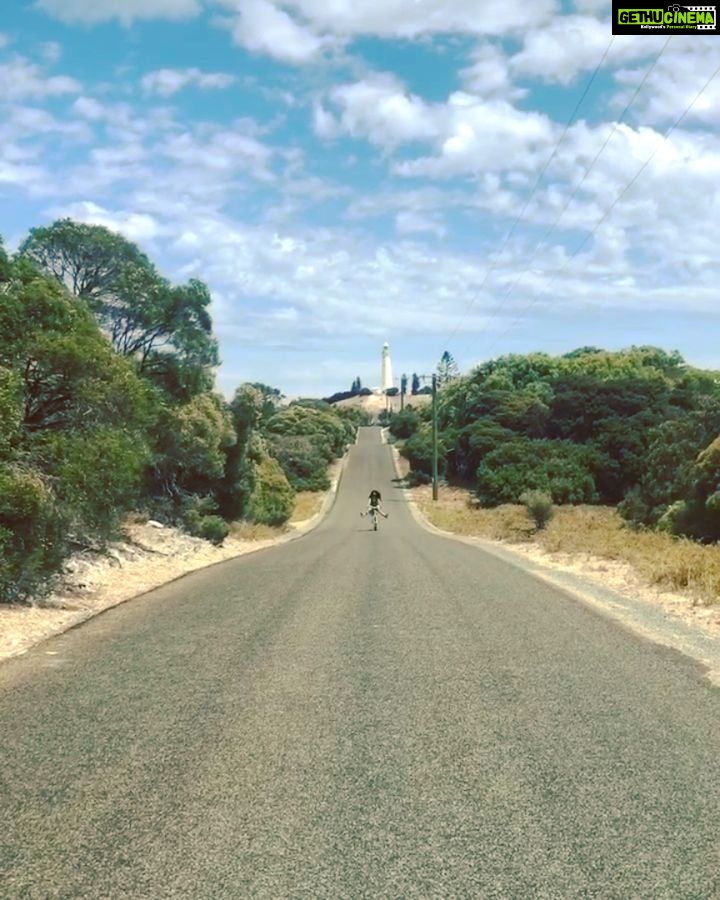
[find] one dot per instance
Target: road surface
(352, 715)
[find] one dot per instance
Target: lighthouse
(386, 375)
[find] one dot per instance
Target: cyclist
(375, 502)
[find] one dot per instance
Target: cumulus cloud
(167, 82)
(489, 74)
(221, 150)
(22, 79)
(299, 31)
(88, 108)
(470, 134)
(264, 27)
(380, 109)
(135, 226)
(569, 45)
(674, 83)
(126, 11)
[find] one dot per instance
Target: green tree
(447, 369)
(166, 329)
(415, 388)
(86, 259)
(557, 468)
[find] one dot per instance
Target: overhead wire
(544, 169)
(612, 206)
(574, 193)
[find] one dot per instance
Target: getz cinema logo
(671, 18)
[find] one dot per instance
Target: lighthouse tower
(386, 375)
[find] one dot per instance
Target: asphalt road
(358, 714)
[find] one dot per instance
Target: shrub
(303, 463)
(558, 468)
(273, 497)
(31, 545)
(404, 424)
(199, 520)
(539, 507)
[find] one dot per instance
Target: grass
(660, 559)
(252, 531)
(307, 504)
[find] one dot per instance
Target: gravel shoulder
(147, 557)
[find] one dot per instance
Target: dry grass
(307, 504)
(251, 531)
(662, 560)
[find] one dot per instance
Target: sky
(479, 176)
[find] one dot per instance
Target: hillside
(375, 403)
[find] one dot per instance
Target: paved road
(351, 715)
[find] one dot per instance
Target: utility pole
(434, 440)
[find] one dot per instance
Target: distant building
(386, 374)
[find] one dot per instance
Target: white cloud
(470, 134)
(4, 40)
(569, 45)
(88, 108)
(379, 109)
(263, 27)
(51, 51)
(32, 178)
(21, 79)
(221, 151)
(93, 11)
(324, 124)
(167, 82)
(489, 74)
(135, 226)
(299, 31)
(412, 222)
(29, 121)
(674, 83)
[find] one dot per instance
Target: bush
(31, 545)
(539, 507)
(210, 528)
(304, 465)
(404, 424)
(414, 478)
(273, 498)
(558, 468)
(199, 520)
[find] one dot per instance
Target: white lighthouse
(386, 374)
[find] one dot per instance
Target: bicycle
(373, 511)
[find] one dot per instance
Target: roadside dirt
(611, 574)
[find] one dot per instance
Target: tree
(415, 384)
(403, 384)
(166, 329)
(557, 468)
(86, 259)
(447, 369)
(4, 263)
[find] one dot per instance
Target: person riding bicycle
(375, 502)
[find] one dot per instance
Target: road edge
(642, 618)
(303, 529)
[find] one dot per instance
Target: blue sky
(345, 173)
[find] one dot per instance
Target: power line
(518, 218)
(572, 196)
(612, 206)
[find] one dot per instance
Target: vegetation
(658, 559)
(636, 429)
(108, 405)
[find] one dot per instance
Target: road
(352, 715)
